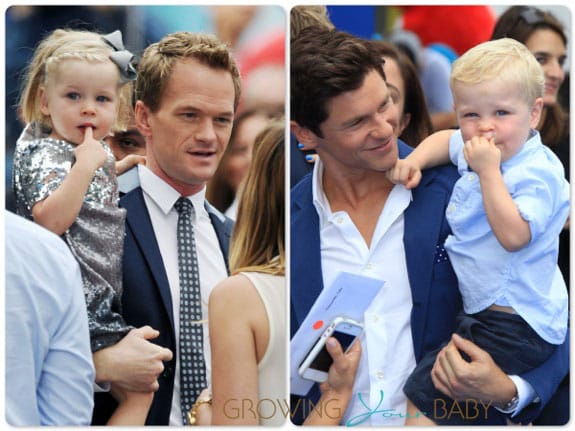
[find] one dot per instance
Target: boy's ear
(536, 111)
(304, 135)
(142, 118)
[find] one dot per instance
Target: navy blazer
(436, 298)
(146, 297)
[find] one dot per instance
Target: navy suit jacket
(146, 297)
(436, 298)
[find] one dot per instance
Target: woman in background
(407, 93)
(223, 189)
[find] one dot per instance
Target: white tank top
(272, 369)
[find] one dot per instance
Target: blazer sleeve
(545, 380)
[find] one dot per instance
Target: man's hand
(479, 379)
(337, 389)
(133, 363)
(90, 153)
(341, 374)
(482, 154)
(405, 172)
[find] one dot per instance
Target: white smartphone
(316, 364)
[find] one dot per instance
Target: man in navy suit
(187, 91)
(346, 216)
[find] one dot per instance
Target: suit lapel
(306, 272)
(421, 235)
(138, 221)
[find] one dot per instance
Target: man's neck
(355, 190)
(362, 196)
(183, 188)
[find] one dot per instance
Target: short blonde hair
(503, 59)
(57, 47)
(159, 58)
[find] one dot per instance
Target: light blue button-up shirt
(49, 370)
(528, 279)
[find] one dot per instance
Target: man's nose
(205, 131)
(384, 125)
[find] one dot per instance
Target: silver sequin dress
(96, 238)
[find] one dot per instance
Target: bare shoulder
(234, 291)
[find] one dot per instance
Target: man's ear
(142, 118)
(304, 135)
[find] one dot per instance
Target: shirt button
(451, 208)
(471, 177)
(339, 220)
(375, 318)
(369, 266)
(380, 375)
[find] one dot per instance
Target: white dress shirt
(387, 345)
(160, 199)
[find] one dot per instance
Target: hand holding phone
(317, 362)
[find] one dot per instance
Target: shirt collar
(533, 142)
(164, 195)
(319, 198)
(399, 194)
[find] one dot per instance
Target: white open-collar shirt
(387, 347)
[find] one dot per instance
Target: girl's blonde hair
(258, 239)
(59, 46)
(502, 59)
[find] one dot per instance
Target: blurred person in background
(460, 27)
(223, 190)
(126, 143)
(406, 91)
(433, 69)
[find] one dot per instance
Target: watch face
(512, 405)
